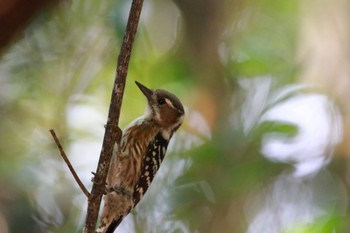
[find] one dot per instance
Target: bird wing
(154, 156)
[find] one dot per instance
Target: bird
(137, 158)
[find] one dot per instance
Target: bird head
(163, 107)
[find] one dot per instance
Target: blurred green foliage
(60, 75)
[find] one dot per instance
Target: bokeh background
(265, 144)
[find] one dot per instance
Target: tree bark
(112, 131)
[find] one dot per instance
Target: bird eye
(161, 101)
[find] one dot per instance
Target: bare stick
(112, 131)
(65, 158)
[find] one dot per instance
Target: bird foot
(95, 180)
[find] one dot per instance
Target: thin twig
(65, 158)
(112, 131)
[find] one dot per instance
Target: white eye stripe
(169, 103)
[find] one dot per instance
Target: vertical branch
(112, 131)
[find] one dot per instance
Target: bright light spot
(257, 92)
(291, 203)
(301, 198)
(319, 130)
(162, 22)
(85, 117)
(86, 122)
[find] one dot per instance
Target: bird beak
(147, 92)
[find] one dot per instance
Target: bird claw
(119, 135)
(119, 132)
(94, 180)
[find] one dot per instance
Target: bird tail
(116, 207)
(109, 227)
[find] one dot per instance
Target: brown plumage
(142, 149)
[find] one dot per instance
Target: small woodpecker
(142, 149)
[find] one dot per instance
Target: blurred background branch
(16, 15)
